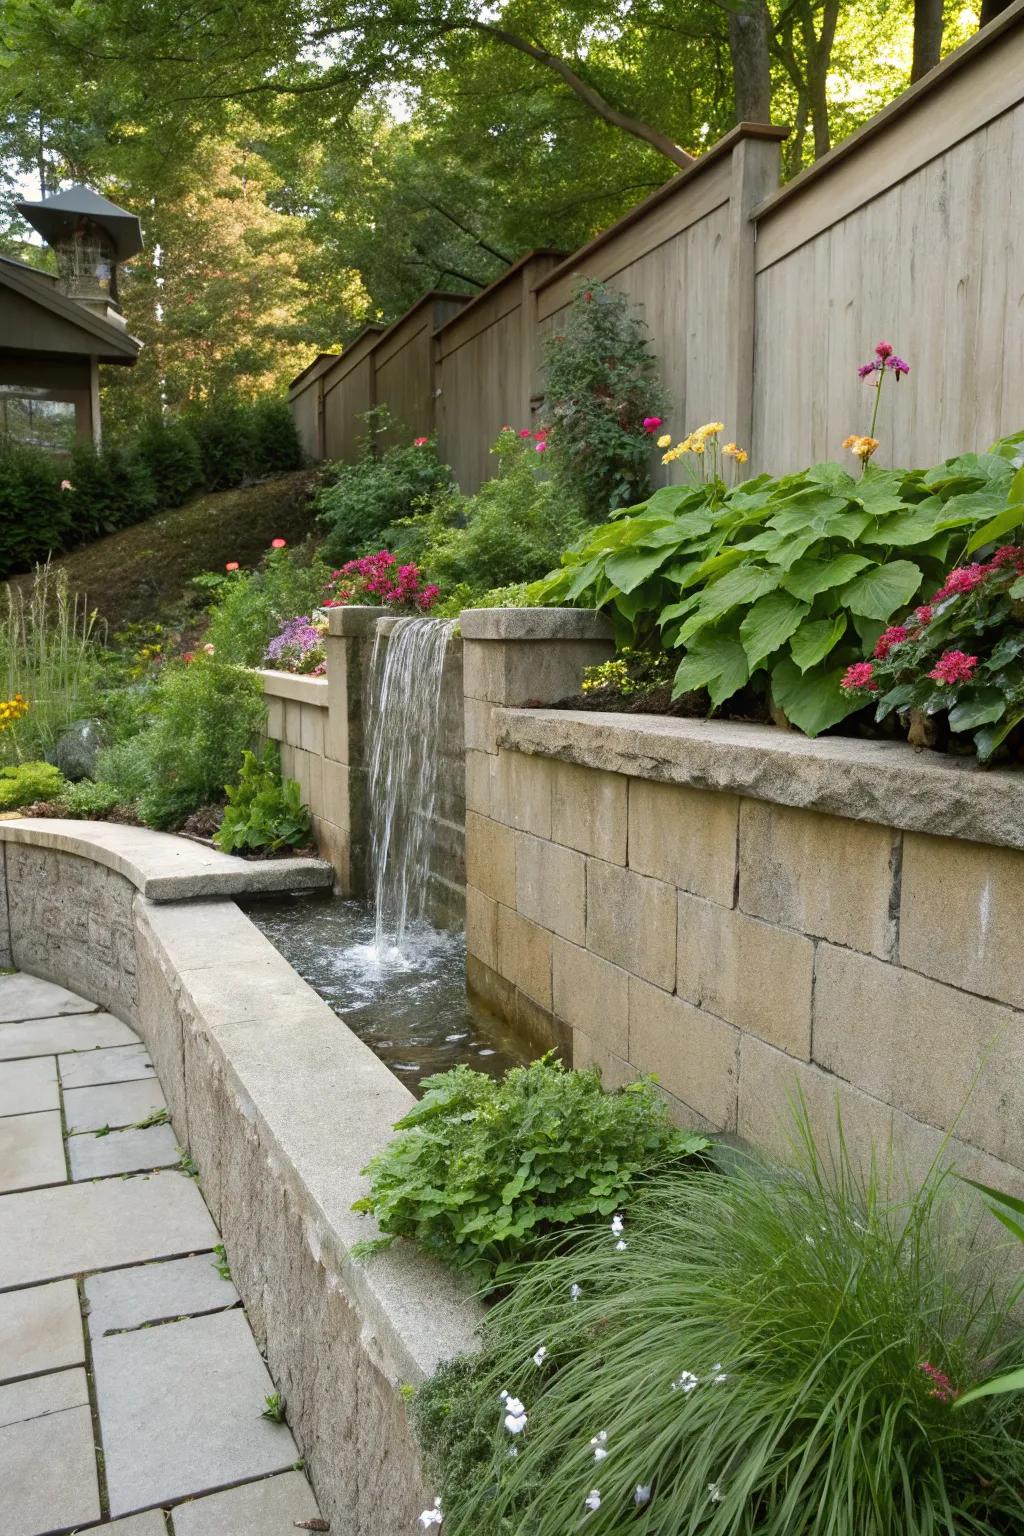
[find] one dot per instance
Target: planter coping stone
(534, 624)
(293, 685)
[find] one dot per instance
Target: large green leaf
(908, 527)
(982, 706)
(877, 593)
(717, 663)
(628, 569)
(671, 498)
(989, 737)
(769, 624)
(744, 585)
(1013, 1381)
(812, 642)
(1010, 518)
(812, 700)
(808, 577)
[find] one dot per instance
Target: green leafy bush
(89, 798)
(249, 607)
(24, 783)
(512, 530)
(225, 431)
(276, 446)
(602, 400)
(171, 454)
(35, 514)
(361, 501)
(263, 812)
(482, 1171)
(113, 488)
(783, 581)
(194, 725)
(771, 1353)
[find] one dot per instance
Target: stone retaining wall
(280, 1107)
(746, 913)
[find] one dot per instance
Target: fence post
(755, 173)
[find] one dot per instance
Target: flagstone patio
(131, 1388)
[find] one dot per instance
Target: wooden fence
(761, 300)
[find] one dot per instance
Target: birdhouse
(90, 237)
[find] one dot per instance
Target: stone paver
(45, 1037)
(50, 1233)
(96, 1157)
(152, 1293)
(27, 997)
(40, 1330)
(269, 1508)
(181, 1407)
(114, 1064)
(88, 1109)
(28, 1086)
(181, 1391)
(31, 1151)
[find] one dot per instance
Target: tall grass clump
(772, 1351)
(49, 655)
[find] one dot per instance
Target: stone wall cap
(534, 624)
(355, 619)
(293, 685)
(164, 867)
(885, 782)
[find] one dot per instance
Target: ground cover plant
(779, 583)
(481, 1171)
(23, 783)
(751, 1349)
(264, 812)
(359, 502)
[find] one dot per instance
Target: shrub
(226, 433)
(380, 580)
(89, 798)
(23, 783)
(603, 401)
(361, 501)
(772, 1351)
(276, 446)
(780, 581)
(482, 1170)
(195, 724)
(35, 514)
(171, 454)
(50, 657)
(249, 607)
(263, 812)
(113, 488)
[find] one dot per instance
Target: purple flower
(867, 369)
(897, 365)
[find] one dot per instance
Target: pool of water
(409, 1005)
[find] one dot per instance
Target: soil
(746, 705)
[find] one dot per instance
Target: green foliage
(194, 725)
(775, 1351)
(249, 607)
(89, 798)
(601, 382)
(361, 501)
(225, 432)
(263, 812)
(23, 783)
(49, 654)
(276, 446)
(35, 514)
(482, 1171)
(113, 488)
(1010, 1211)
(171, 454)
(511, 531)
(780, 581)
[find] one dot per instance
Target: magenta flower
(860, 675)
(923, 615)
(962, 579)
(651, 423)
(953, 667)
(894, 635)
(540, 447)
(943, 1388)
(883, 350)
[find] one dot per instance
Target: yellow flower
(861, 447)
(732, 452)
(709, 429)
(665, 440)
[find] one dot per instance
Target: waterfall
(403, 767)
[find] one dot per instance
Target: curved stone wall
(280, 1106)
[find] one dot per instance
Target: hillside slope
(143, 573)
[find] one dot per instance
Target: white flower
(621, 1245)
(515, 1423)
(512, 1404)
(540, 1355)
(593, 1500)
(717, 1375)
(617, 1226)
(431, 1517)
(808, 1239)
(715, 1492)
(503, 1396)
(642, 1495)
(685, 1382)
(575, 1291)
(599, 1444)
(513, 1450)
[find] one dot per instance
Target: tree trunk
(990, 9)
(928, 23)
(751, 68)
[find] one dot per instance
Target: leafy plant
(1009, 1210)
(276, 446)
(249, 607)
(171, 454)
(23, 783)
(783, 581)
(360, 501)
(263, 812)
(603, 400)
(773, 1351)
(483, 1170)
(274, 1410)
(35, 513)
(89, 798)
(113, 488)
(49, 654)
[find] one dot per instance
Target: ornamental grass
(751, 1349)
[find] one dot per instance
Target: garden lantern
(90, 236)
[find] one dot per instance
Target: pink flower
(540, 447)
(895, 635)
(943, 1389)
(278, 543)
(66, 485)
(953, 667)
(1009, 554)
(420, 442)
(867, 369)
(923, 615)
(883, 350)
(211, 650)
(188, 656)
(897, 366)
(860, 675)
(652, 423)
(963, 578)
(525, 432)
(232, 565)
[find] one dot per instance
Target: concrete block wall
(744, 941)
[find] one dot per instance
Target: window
(29, 416)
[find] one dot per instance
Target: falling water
(404, 759)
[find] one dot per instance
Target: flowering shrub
(250, 607)
(779, 583)
(603, 401)
(299, 646)
(380, 581)
(482, 1171)
(960, 654)
(763, 1352)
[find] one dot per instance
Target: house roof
(107, 342)
(60, 213)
